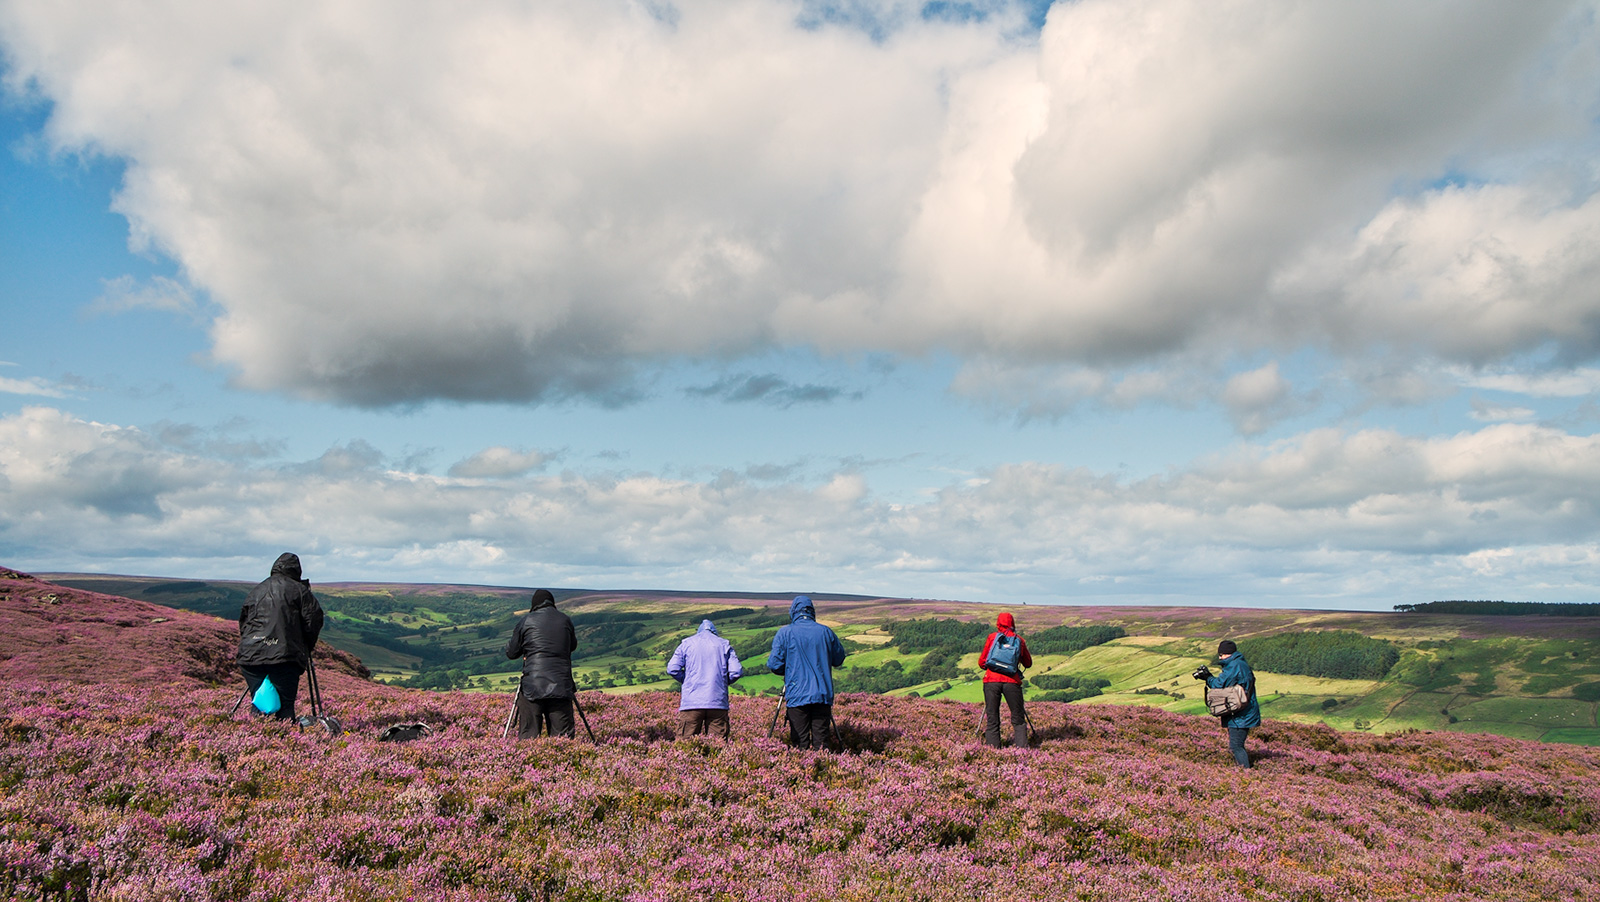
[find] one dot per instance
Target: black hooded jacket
(280, 620)
(545, 640)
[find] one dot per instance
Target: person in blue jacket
(804, 653)
(1236, 672)
(705, 664)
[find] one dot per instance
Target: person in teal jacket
(804, 653)
(1236, 672)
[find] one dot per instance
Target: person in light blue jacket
(804, 653)
(1236, 672)
(706, 665)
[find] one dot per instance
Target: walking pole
(511, 717)
(1031, 731)
(585, 717)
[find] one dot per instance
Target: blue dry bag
(266, 698)
(1003, 655)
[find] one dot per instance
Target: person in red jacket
(1003, 679)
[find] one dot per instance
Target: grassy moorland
(1529, 677)
(122, 776)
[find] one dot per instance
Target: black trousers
(554, 715)
(808, 725)
(285, 678)
(1012, 692)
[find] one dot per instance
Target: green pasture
(1514, 676)
(1573, 735)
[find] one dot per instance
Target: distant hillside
(122, 777)
(1528, 677)
(52, 631)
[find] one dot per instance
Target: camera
(1202, 673)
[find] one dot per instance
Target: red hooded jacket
(1008, 625)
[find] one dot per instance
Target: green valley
(1533, 677)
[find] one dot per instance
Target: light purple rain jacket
(705, 664)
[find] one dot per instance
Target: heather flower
(129, 781)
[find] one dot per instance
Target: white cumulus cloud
(391, 202)
(1369, 517)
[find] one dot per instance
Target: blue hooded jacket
(1236, 672)
(804, 653)
(705, 664)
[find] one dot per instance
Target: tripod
(511, 717)
(329, 725)
(833, 728)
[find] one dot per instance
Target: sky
(1208, 302)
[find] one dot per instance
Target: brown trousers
(698, 721)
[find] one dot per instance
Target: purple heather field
(122, 777)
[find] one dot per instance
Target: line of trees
(944, 640)
(1502, 608)
(1331, 654)
(1069, 640)
(1063, 688)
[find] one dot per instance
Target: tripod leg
(315, 685)
(511, 718)
(776, 714)
(242, 696)
(576, 704)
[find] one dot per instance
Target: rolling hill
(1527, 677)
(122, 776)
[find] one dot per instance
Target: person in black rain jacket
(278, 627)
(544, 639)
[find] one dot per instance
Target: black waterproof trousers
(552, 715)
(808, 725)
(285, 678)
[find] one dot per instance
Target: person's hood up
(707, 626)
(802, 609)
(1006, 623)
(287, 564)
(542, 599)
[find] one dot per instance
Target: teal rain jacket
(1236, 672)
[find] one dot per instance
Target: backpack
(1227, 700)
(404, 732)
(1004, 654)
